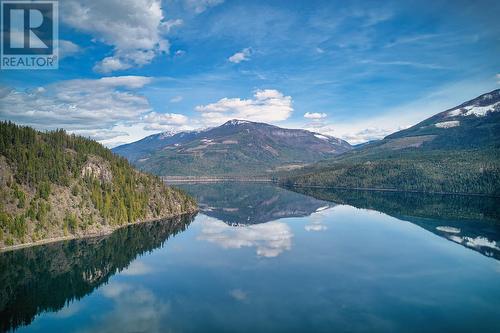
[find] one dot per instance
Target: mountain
(456, 151)
(237, 147)
(473, 124)
(54, 185)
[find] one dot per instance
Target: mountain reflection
(472, 221)
(252, 203)
(46, 278)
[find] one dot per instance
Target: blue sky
(358, 70)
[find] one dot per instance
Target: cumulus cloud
(368, 134)
(243, 55)
(68, 49)
(270, 239)
(199, 6)
(163, 121)
(315, 115)
(102, 109)
(133, 28)
(356, 133)
(78, 104)
(268, 105)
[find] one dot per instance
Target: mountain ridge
(455, 151)
(234, 148)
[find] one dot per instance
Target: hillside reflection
(46, 278)
(472, 221)
(238, 203)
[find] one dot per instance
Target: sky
(357, 70)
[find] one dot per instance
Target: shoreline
(387, 190)
(102, 233)
(183, 180)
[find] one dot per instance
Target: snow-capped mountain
(236, 147)
(473, 124)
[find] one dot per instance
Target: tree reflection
(46, 278)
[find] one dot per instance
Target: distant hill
(235, 148)
(473, 124)
(54, 185)
(457, 151)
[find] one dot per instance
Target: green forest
(54, 184)
(462, 171)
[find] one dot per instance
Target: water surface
(262, 258)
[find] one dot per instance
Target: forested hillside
(468, 171)
(56, 185)
(456, 151)
(235, 148)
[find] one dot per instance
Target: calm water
(263, 259)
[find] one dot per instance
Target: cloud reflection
(270, 239)
(316, 221)
(136, 309)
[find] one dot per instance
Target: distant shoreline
(201, 180)
(389, 190)
(214, 179)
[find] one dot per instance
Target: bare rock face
(97, 168)
(6, 175)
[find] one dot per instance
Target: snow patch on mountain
(478, 111)
(322, 137)
(448, 124)
(235, 122)
(447, 229)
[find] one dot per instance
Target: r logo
(29, 28)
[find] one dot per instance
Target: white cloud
(315, 115)
(267, 106)
(168, 25)
(78, 104)
(68, 49)
(108, 109)
(133, 28)
(176, 99)
(361, 129)
(163, 121)
(199, 6)
(270, 239)
(368, 134)
(180, 53)
(243, 55)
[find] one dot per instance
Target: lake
(259, 258)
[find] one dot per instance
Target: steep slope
(457, 151)
(473, 124)
(237, 147)
(55, 185)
